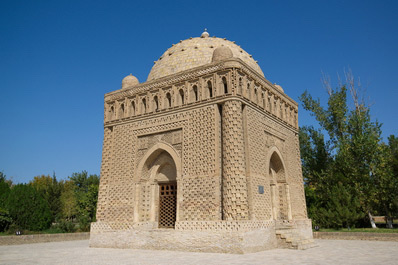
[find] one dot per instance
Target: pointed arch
(155, 103)
(225, 85)
(280, 194)
(168, 100)
(275, 160)
(209, 89)
(154, 151)
(111, 113)
(132, 108)
(143, 106)
(193, 95)
(181, 97)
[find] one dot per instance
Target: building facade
(203, 156)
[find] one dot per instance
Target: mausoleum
(202, 156)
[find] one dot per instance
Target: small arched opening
(263, 101)
(209, 89)
(143, 106)
(121, 111)
(181, 97)
(194, 94)
(111, 113)
(168, 100)
(225, 85)
(155, 103)
(132, 108)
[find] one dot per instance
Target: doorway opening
(167, 205)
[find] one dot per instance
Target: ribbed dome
(195, 52)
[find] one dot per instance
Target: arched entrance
(280, 196)
(158, 172)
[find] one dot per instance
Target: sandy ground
(77, 252)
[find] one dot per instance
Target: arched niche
(153, 153)
(279, 187)
(157, 175)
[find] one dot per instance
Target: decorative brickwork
(235, 205)
(208, 124)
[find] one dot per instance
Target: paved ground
(77, 252)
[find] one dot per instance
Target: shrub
(28, 209)
(5, 220)
(66, 226)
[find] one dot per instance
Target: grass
(366, 230)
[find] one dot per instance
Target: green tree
(342, 209)
(350, 158)
(50, 189)
(27, 208)
(4, 189)
(68, 201)
(315, 156)
(5, 218)
(393, 146)
(386, 181)
(86, 192)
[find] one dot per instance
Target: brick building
(203, 156)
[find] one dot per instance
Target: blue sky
(59, 58)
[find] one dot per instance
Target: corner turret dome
(129, 81)
(278, 87)
(221, 53)
(194, 52)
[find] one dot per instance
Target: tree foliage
(45, 200)
(5, 218)
(27, 208)
(4, 189)
(86, 191)
(68, 201)
(350, 174)
(50, 189)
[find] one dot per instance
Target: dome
(194, 52)
(278, 87)
(221, 53)
(129, 81)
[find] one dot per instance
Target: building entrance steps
(290, 237)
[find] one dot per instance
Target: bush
(28, 209)
(14, 228)
(5, 220)
(66, 226)
(84, 223)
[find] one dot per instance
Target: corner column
(235, 204)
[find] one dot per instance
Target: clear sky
(59, 58)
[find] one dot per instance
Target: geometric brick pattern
(206, 144)
(235, 206)
(223, 159)
(231, 226)
(200, 200)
